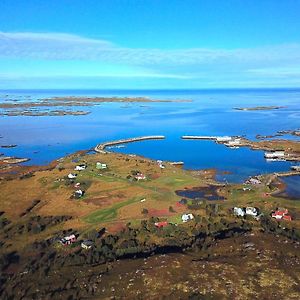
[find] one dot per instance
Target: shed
(187, 217)
(87, 244)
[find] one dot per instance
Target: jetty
(199, 137)
(100, 148)
(218, 139)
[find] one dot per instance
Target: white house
(101, 166)
(160, 163)
(72, 176)
(275, 154)
(251, 211)
(80, 167)
(238, 211)
(187, 217)
(140, 176)
(78, 194)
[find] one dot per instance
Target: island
(41, 107)
(259, 108)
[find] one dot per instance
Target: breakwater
(198, 137)
(101, 147)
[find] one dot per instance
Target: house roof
(161, 224)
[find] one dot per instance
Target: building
(87, 244)
(253, 181)
(80, 167)
(78, 194)
(161, 224)
(68, 240)
(187, 217)
(251, 211)
(238, 211)
(274, 154)
(140, 176)
(233, 143)
(160, 164)
(295, 168)
(223, 139)
(281, 214)
(72, 176)
(101, 166)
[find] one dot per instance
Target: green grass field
(108, 214)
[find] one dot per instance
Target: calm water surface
(43, 139)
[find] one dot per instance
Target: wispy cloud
(89, 58)
(58, 46)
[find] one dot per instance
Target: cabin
(87, 244)
(281, 214)
(187, 217)
(238, 211)
(140, 176)
(161, 224)
(80, 167)
(68, 240)
(78, 194)
(251, 211)
(72, 175)
(101, 166)
(160, 164)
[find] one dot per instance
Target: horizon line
(151, 89)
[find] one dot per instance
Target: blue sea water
(211, 112)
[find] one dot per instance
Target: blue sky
(149, 44)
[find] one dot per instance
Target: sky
(149, 44)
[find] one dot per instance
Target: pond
(209, 193)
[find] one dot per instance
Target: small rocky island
(259, 108)
(41, 107)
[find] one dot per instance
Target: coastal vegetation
(125, 218)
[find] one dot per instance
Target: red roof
(161, 224)
(287, 218)
(281, 212)
(278, 213)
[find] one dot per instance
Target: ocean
(43, 139)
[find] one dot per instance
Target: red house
(282, 214)
(161, 224)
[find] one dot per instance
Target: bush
(171, 209)
(145, 211)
